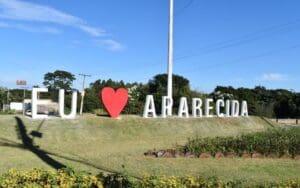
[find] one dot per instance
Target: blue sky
(228, 42)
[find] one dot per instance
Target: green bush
(41, 178)
(276, 142)
(69, 178)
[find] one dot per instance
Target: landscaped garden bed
(275, 143)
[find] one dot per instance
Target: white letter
(167, 104)
(220, 103)
(208, 107)
(244, 109)
(183, 107)
(235, 107)
(197, 107)
(35, 102)
(72, 115)
(227, 110)
(149, 107)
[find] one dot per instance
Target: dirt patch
(205, 156)
(272, 156)
(179, 154)
(231, 155)
(286, 156)
(189, 155)
(246, 155)
(169, 154)
(257, 155)
(219, 155)
(297, 157)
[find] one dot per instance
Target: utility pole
(83, 93)
(24, 96)
(170, 56)
(7, 97)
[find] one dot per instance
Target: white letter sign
(167, 104)
(149, 107)
(220, 103)
(35, 102)
(197, 107)
(183, 107)
(72, 115)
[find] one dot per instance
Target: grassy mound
(94, 144)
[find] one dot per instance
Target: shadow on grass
(28, 144)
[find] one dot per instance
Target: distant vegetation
(278, 103)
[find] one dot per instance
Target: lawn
(95, 144)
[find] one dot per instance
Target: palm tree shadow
(28, 144)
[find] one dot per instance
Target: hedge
(69, 178)
(279, 142)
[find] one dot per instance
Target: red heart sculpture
(114, 101)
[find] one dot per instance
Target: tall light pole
(24, 96)
(83, 93)
(170, 56)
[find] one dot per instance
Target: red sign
(114, 101)
(21, 82)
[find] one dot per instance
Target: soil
(246, 155)
(272, 156)
(286, 156)
(205, 155)
(297, 157)
(219, 155)
(257, 155)
(231, 155)
(189, 155)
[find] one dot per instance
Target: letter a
(244, 109)
(183, 107)
(149, 107)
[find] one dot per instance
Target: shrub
(276, 141)
(41, 178)
(70, 178)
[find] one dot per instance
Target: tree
(58, 79)
(261, 101)
(92, 94)
(181, 88)
(137, 94)
(3, 96)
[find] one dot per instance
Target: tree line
(276, 103)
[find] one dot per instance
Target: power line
(83, 93)
(247, 58)
(180, 11)
(256, 35)
(244, 39)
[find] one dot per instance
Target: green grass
(119, 144)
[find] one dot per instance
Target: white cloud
(273, 77)
(110, 44)
(26, 11)
(29, 28)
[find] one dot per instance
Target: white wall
(18, 106)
